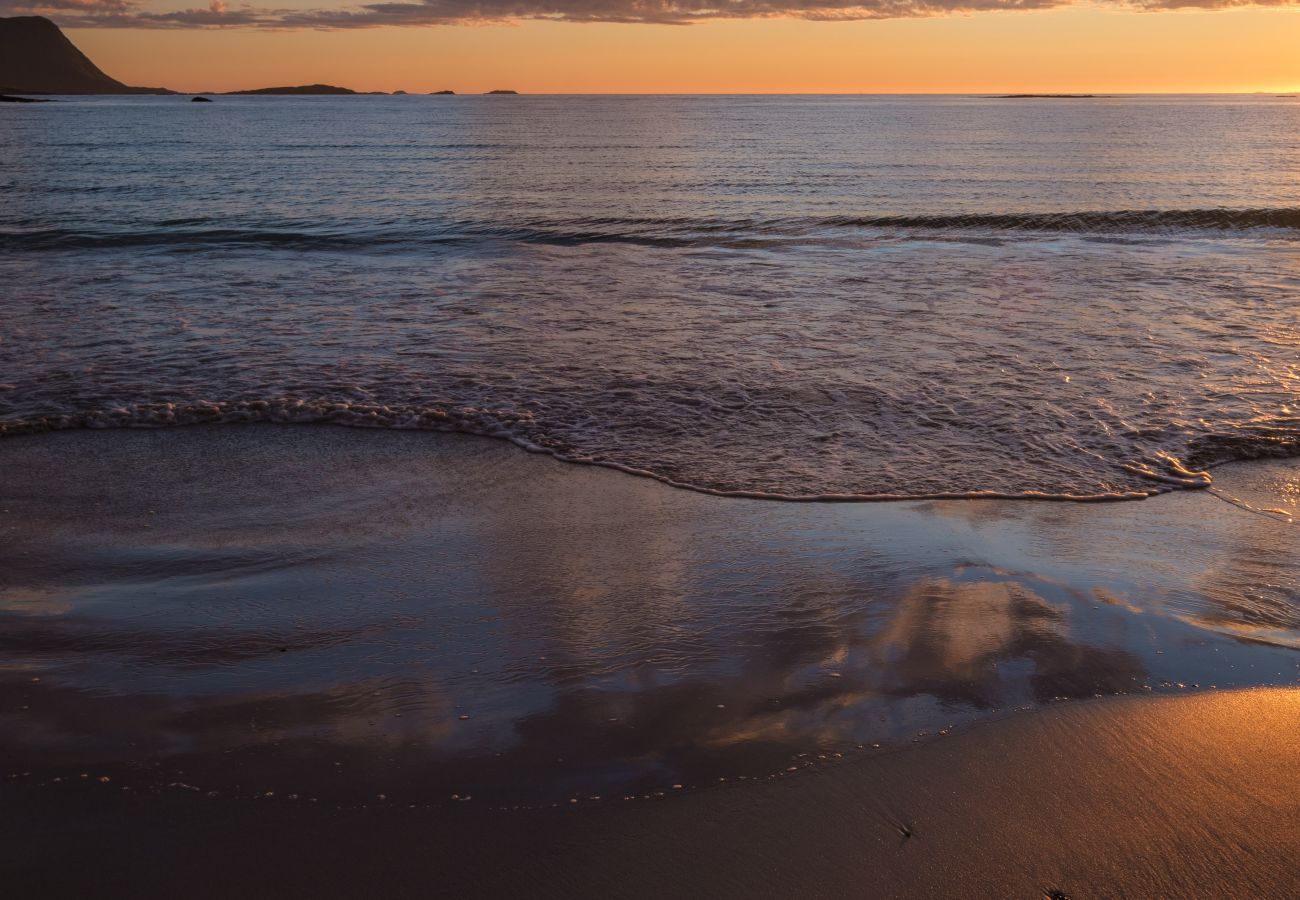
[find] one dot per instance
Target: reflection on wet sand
(339, 614)
(987, 644)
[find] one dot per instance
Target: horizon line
(996, 94)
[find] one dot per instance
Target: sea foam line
(496, 424)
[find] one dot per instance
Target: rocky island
(37, 58)
(1047, 97)
(299, 90)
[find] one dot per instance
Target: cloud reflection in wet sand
(175, 609)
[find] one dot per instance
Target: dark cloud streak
(129, 14)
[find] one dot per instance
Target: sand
(276, 653)
(1139, 797)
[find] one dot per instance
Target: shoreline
(1178, 478)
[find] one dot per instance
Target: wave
(673, 232)
(412, 238)
(1133, 221)
(1164, 471)
(68, 239)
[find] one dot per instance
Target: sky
(690, 46)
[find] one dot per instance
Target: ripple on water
(749, 297)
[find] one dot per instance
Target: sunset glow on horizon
(1066, 49)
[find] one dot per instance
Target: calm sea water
(798, 296)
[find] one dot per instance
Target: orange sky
(1077, 49)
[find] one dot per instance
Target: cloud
(672, 12)
(132, 14)
(215, 14)
(129, 14)
(90, 8)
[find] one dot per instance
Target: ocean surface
(854, 297)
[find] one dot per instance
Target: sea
(800, 297)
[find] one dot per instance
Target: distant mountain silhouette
(300, 89)
(503, 92)
(36, 58)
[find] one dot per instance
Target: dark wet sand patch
(1135, 797)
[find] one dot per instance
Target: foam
(497, 424)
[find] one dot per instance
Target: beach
(664, 495)
(337, 661)
(1175, 797)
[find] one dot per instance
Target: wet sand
(283, 658)
(1137, 797)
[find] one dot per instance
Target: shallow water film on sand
(274, 613)
(799, 297)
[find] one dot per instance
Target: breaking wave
(1164, 472)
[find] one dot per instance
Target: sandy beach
(1139, 797)
(317, 661)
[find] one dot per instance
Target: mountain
(300, 89)
(36, 58)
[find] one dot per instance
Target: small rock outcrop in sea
(503, 92)
(311, 89)
(1046, 97)
(5, 98)
(440, 93)
(37, 58)
(200, 100)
